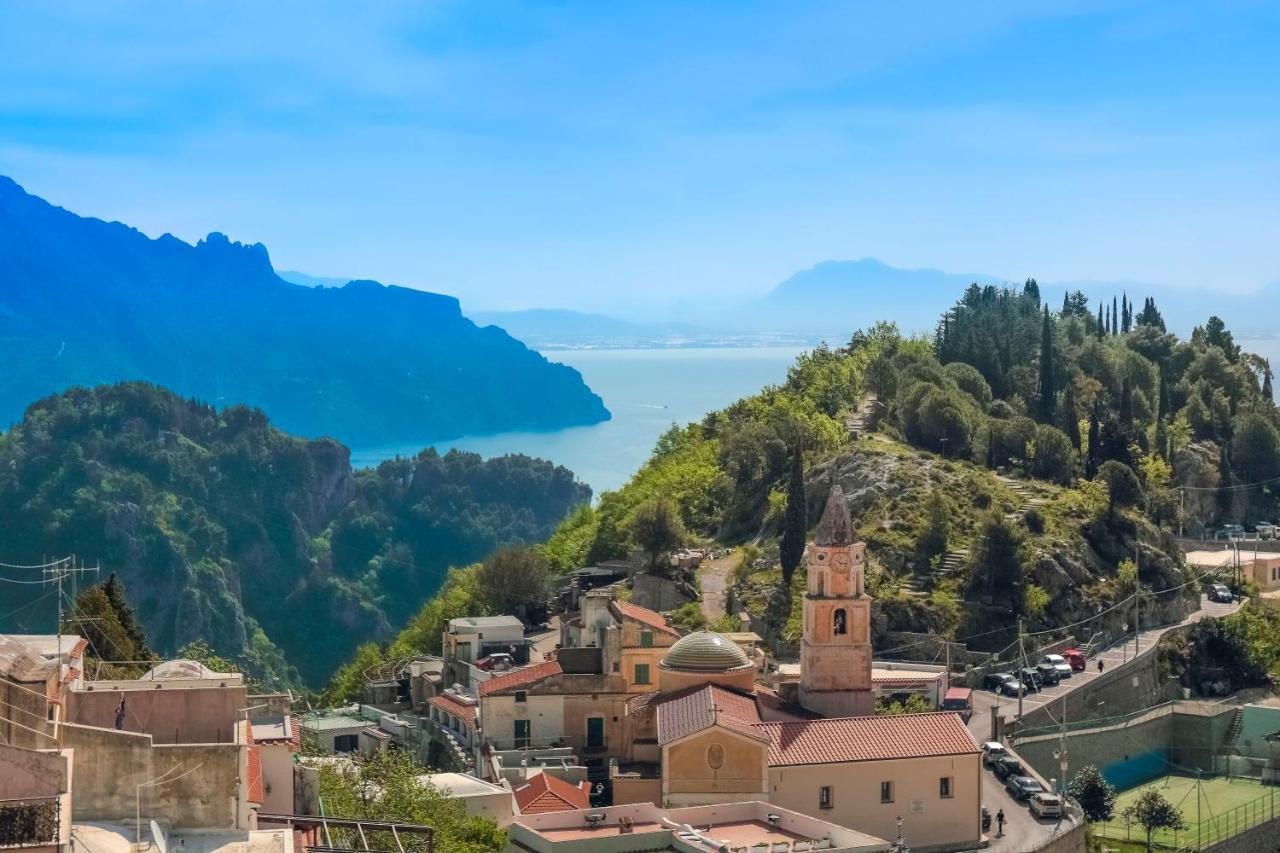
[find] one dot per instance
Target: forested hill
(1028, 460)
(84, 302)
(225, 529)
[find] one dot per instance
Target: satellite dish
(157, 836)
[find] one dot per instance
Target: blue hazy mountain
(840, 295)
(852, 294)
(86, 302)
(552, 327)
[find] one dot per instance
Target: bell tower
(835, 652)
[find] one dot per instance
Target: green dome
(705, 651)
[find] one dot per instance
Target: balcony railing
(32, 822)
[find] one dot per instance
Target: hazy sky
(599, 154)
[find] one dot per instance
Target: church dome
(705, 651)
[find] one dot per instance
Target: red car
(1075, 657)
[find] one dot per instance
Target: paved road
(1022, 829)
(713, 577)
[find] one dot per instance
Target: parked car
(500, 662)
(1075, 657)
(992, 751)
(993, 681)
(1220, 593)
(986, 819)
(1061, 664)
(1013, 686)
(1008, 766)
(960, 700)
(1031, 678)
(1267, 530)
(1045, 805)
(1022, 787)
(1049, 675)
(1228, 531)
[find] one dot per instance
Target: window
(642, 673)
(522, 696)
(646, 639)
(944, 788)
(346, 743)
(617, 666)
(886, 792)
(838, 624)
(824, 797)
(595, 732)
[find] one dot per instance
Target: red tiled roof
(866, 739)
(690, 711)
(652, 618)
(545, 793)
(461, 710)
(255, 775)
(528, 675)
(904, 677)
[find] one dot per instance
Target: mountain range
(85, 302)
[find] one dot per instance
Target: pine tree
(1046, 369)
(796, 521)
(1031, 290)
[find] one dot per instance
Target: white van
(1045, 805)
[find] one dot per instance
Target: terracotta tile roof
(528, 675)
(690, 711)
(255, 775)
(904, 677)
(461, 710)
(545, 793)
(866, 739)
(644, 615)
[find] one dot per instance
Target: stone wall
(169, 715)
(658, 593)
(110, 765)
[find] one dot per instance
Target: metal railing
(1205, 833)
(30, 822)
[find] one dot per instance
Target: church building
(710, 734)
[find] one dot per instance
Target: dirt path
(713, 577)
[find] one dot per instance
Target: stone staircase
(858, 421)
(952, 564)
(1027, 499)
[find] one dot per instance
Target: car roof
(1051, 657)
(992, 744)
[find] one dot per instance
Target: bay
(647, 390)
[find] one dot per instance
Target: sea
(647, 390)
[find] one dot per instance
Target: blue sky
(613, 156)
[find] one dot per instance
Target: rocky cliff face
(1069, 550)
(86, 302)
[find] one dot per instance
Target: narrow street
(713, 579)
(1022, 829)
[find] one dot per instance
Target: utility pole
(1022, 658)
(56, 572)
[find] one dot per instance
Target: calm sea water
(647, 390)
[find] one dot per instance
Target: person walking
(1099, 666)
(1000, 824)
(120, 714)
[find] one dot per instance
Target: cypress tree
(1070, 416)
(1091, 459)
(1046, 368)
(796, 521)
(1102, 326)
(1126, 314)
(1066, 303)
(1115, 317)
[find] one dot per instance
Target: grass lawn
(1226, 807)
